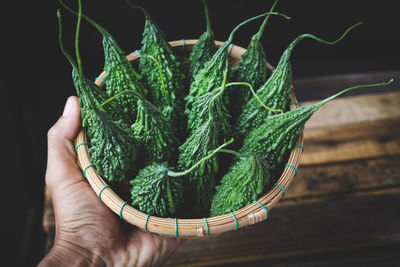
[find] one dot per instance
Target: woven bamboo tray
(190, 228)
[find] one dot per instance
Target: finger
(61, 159)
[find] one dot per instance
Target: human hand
(87, 231)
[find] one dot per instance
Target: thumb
(61, 158)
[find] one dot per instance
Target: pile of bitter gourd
(164, 126)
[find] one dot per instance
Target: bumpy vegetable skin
(211, 75)
(202, 180)
(241, 185)
(252, 68)
(274, 93)
(120, 74)
(166, 93)
(203, 50)
(155, 192)
(153, 130)
(277, 135)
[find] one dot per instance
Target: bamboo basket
(190, 228)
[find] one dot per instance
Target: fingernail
(67, 107)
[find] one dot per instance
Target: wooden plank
(352, 128)
(329, 207)
(317, 87)
(351, 142)
(356, 109)
(333, 224)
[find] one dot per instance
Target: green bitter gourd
(275, 91)
(242, 184)
(167, 93)
(153, 130)
(203, 50)
(113, 147)
(158, 191)
(120, 74)
(211, 75)
(277, 135)
(252, 68)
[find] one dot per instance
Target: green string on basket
(207, 229)
(120, 211)
(302, 147)
(236, 222)
(176, 227)
(101, 191)
(101, 79)
(145, 223)
(84, 170)
(283, 189)
(80, 144)
(294, 167)
(261, 205)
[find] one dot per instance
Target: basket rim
(189, 228)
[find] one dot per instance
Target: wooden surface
(341, 209)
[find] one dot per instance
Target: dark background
(37, 78)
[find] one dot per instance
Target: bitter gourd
(203, 50)
(120, 74)
(167, 93)
(113, 147)
(252, 68)
(244, 182)
(158, 191)
(211, 105)
(153, 130)
(275, 91)
(211, 75)
(277, 135)
(201, 181)
(93, 91)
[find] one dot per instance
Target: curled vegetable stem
(161, 76)
(261, 30)
(218, 94)
(177, 174)
(230, 38)
(256, 96)
(222, 88)
(206, 15)
(321, 103)
(108, 101)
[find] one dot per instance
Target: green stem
(206, 15)
(97, 26)
(144, 11)
(218, 94)
(230, 39)
(161, 76)
(177, 174)
(261, 30)
(307, 35)
(321, 103)
(78, 26)
(108, 101)
(256, 96)
(103, 31)
(222, 89)
(65, 53)
(229, 151)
